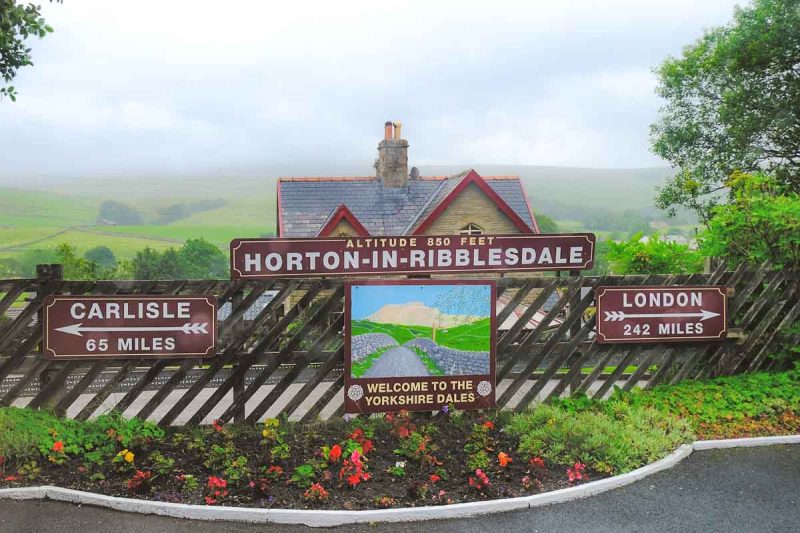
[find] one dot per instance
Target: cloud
(186, 86)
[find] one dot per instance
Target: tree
(732, 104)
(546, 224)
(18, 22)
(652, 256)
(119, 213)
(76, 267)
(102, 255)
(200, 259)
(761, 223)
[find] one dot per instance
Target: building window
(471, 229)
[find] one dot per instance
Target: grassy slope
(33, 215)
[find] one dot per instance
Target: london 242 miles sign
(421, 254)
(119, 327)
(661, 314)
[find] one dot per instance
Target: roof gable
(471, 178)
(339, 214)
(306, 205)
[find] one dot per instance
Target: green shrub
(620, 440)
(724, 398)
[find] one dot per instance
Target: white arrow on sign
(188, 328)
(616, 316)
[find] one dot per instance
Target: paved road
(738, 490)
(397, 362)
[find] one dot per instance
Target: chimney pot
(392, 165)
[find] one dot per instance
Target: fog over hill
(615, 189)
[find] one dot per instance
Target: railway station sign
(120, 327)
(643, 314)
(415, 254)
(419, 345)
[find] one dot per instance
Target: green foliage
(761, 223)
(119, 213)
(616, 439)
(27, 434)
(725, 398)
(161, 465)
(478, 445)
(732, 102)
(546, 224)
(102, 256)
(10, 268)
(18, 22)
(601, 266)
(196, 259)
(304, 475)
(656, 256)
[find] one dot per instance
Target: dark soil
(194, 453)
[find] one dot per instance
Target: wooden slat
(107, 389)
(238, 372)
(334, 360)
(324, 400)
(512, 334)
(292, 374)
(262, 377)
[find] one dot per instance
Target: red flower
(58, 446)
(537, 462)
(354, 479)
(488, 424)
(435, 478)
(335, 454)
(217, 424)
(357, 435)
(366, 446)
(402, 432)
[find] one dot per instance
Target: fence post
(238, 385)
(55, 272)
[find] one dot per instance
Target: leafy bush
(724, 398)
(27, 434)
(617, 441)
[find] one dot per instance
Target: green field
(475, 336)
(402, 334)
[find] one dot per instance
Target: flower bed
(394, 460)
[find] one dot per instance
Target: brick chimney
(392, 164)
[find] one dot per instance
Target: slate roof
(305, 204)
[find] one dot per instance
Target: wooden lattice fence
(285, 357)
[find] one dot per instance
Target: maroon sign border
(600, 338)
(237, 274)
(491, 377)
(50, 354)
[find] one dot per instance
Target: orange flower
(58, 446)
(488, 424)
(435, 478)
(503, 458)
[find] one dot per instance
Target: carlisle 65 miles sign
(97, 327)
(661, 314)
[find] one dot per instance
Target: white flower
(484, 388)
(355, 392)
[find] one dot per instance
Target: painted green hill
(475, 336)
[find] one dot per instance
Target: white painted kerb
(325, 518)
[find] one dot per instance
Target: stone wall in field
(363, 345)
(453, 362)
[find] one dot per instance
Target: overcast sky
(181, 87)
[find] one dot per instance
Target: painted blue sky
(451, 299)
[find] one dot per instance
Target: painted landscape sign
(353, 256)
(661, 314)
(100, 327)
(419, 345)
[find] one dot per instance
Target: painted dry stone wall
(453, 362)
(363, 345)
